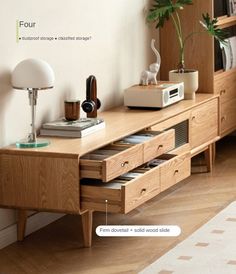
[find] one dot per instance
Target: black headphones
(92, 102)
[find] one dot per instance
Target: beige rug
(209, 250)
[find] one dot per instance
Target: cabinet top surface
(120, 122)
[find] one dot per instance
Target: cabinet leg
(21, 224)
(87, 224)
(213, 153)
(209, 158)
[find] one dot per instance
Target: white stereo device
(154, 96)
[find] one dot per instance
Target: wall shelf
(226, 21)
(221, 74)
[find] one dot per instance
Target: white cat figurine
(149, 77)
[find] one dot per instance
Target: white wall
(116, 54)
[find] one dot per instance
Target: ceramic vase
(190, 79)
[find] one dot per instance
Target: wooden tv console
(50, 179)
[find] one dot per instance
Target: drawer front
(122, 163)
(228, 116)
(181, 150)
(225, 85)
(175, 170)
(159, 145)
(90, 169)
(112, 166)
(204, 123)
(141, 190)
(121, 198)
(125, 197)
(129, 155)
(94, 198)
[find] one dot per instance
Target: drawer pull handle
(160, 146)
(143, 191)
(223, 91)
(223, 119)
(125, 163)
(176, 172)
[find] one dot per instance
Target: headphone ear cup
(88, 106)
(98, 103)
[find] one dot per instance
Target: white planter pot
(190, 79)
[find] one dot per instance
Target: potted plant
(163, 10)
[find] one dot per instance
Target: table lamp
(32, 75)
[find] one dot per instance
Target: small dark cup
(72, 110)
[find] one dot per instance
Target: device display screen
(174, 92)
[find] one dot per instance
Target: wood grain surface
(175, 170)
(162, 143)
(41, 183)
(120, 122)
(58, 248)
(204, 123)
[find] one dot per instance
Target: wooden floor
(58, 247)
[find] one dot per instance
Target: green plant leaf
(162, 9)
(211, 27)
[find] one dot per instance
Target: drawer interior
(118, 182)
(106, 152)
(121, 145)
(94, 193)
(121, 156)
(125, 192)
(130, 176)
(166, 157)
(138, 138)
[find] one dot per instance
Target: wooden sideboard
(76, 176)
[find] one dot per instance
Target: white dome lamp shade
(32, 75)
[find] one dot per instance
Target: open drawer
(121, 195)
(134, 188)
(124, 155)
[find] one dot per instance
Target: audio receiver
(154, 96)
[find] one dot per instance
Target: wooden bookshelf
(200, 55)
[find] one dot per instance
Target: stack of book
(231, 7)
(224, 7)
(72, 129)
